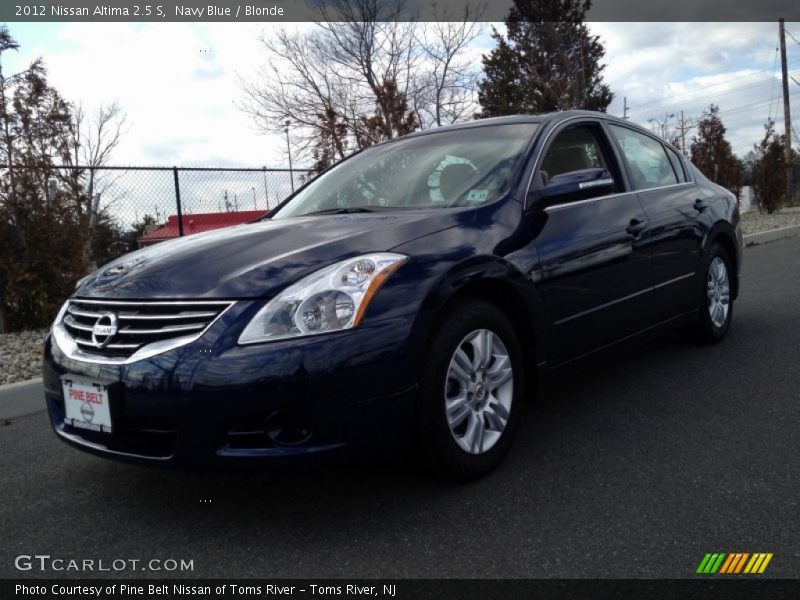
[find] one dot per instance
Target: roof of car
(514, 119)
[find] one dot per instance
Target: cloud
(666, 68)
(178, 81)
(175, 81)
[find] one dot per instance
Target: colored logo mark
(734, 562)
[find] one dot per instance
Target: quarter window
(677, 164)
(648, 164)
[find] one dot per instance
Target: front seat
(565, 160)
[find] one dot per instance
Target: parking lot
(634, 468)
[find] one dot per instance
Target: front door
(594, 271)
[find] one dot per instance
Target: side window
(677, 164)
(648, 163)
(576, 149)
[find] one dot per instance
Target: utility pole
(685, 128)
(787, 119)
(625, 108)
(683, 134)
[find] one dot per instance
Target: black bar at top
(413, 10)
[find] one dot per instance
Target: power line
(707, 87)
(696, 99)
(746, 107)
(736, 110)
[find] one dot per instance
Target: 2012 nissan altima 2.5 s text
(409, 298)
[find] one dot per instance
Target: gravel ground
(21, 353)
(755, 222)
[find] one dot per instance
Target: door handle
(636, 227)
(700, 204)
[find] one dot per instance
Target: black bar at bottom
(727, 587)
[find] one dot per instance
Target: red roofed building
(196, 224)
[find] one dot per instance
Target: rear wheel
(716, 301)
(472, 391)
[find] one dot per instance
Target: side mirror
(578, 185)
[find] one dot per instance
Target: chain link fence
(58, 223)
(130, 207)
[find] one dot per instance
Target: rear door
(594, 272)
(675, 208)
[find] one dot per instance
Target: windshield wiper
(339, 211)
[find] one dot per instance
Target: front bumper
(215, 403)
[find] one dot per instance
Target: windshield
(460, 167)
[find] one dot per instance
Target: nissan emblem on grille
(104, 329)
(118, 331)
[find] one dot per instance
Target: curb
(21, 398)
(771, 235)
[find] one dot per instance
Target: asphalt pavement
(636, 468)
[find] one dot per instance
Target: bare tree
(95, 138)
(299, 85)
(374, 49)
(363, 75)
(447, 92)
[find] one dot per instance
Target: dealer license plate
(86, 405)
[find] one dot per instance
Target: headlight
(332, 299)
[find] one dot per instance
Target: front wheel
(716, 301)
(472, 390)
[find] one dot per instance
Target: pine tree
(547, 61)
(712, 153)
(768, 171)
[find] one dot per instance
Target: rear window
(648, 163)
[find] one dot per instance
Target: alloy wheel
(478, 391)
(719, 292)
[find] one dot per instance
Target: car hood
(258, 259)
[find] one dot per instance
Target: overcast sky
(177, 82)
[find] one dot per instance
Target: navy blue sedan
(410, 298)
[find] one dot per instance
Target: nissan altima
(409, 298)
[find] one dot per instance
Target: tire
(715, 308)
(470, 408)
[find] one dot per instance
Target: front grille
(138, 323)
